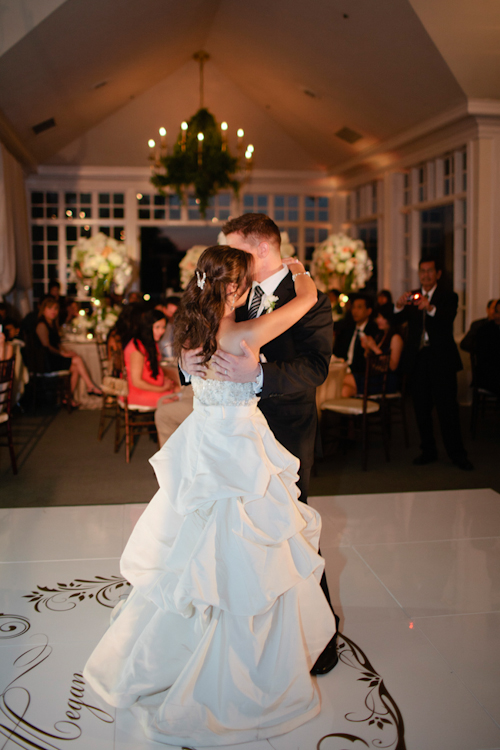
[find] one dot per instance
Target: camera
(413, 298)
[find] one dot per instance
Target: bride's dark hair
(204, 301)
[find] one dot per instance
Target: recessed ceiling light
(346, 134)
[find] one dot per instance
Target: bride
(226, 617)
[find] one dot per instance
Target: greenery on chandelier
(205, 165)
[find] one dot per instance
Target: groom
(294, 364)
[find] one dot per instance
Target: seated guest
(168, 307)
(6, 348)
(469, 340)
(11, 329)
(487, 352)
(72, 310)
(347, 344)
(386, 341)
(57, 357)
(384, 297)
(147, 383)
(55, 291)
(123, 330)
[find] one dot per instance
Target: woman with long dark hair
(147, 383)
(227, 616)
(387, 341)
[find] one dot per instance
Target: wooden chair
(60, 380)
(359, 410)
(395, 410)
(112, 386)
(137, 420)
(6, 383)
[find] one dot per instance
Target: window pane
(103, 198)
(104, 213)
(52, 252)
(52, 234)
(70, 199)
(119, 199)
(37, 197)
(37, 233)
(53, 198)
(38, 270)
(37, 252)
(37, 212)
(85, 198)
(71, 234)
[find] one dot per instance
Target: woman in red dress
(147, 383)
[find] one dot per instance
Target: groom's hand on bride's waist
(191, 362)
(238, 369)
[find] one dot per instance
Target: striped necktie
(254, 307)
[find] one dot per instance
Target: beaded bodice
(223, 393)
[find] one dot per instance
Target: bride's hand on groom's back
(191, 362)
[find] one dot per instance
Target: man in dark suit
(348, 338)
(468, 342)
(431, 359)
(293, 365)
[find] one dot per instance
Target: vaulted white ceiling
(291, 73)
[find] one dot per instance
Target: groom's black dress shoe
(327, 659)
(425, 458)
(464, 464)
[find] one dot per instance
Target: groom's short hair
(259, 226)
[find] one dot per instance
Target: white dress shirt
(350, 352)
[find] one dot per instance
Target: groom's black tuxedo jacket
(297, 362)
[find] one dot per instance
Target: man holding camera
(432, 361)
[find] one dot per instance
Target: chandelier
(200, 158)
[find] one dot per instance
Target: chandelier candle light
(200, 158)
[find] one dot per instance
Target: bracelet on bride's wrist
(300, 273)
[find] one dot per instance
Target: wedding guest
(168, 307)
(468, 342)
(147, 383)
(432, 360)
(134, 298)
(6, 348)
(11, 329)
(55, 291)
(72, 310)
(58, 357)
(387, 341)
(487, 351)
(347, 344)
(384, 297)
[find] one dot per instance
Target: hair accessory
(200, 280)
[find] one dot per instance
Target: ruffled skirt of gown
(226, 616)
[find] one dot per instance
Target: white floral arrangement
(287, 249)
(341, 262)
(100, 261)
(189, 262)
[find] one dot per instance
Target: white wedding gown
(226, 617)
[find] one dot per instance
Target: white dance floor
(415, 578)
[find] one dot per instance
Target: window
(316, 208)
(286, 208)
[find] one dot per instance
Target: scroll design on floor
(383, 715)
(105, 591)
(12, 626)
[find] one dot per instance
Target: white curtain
(15, 258)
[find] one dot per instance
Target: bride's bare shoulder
(230, 336)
